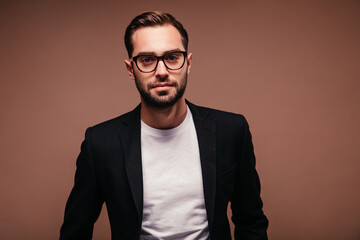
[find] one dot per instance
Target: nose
(161, 70)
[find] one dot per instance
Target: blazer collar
(131, 140)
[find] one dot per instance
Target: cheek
(141, 79)
(179, 75)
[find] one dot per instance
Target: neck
(166, 118)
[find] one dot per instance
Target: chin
(162, 102)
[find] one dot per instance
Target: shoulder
(219, 116)
(114, 125)
(229, 127)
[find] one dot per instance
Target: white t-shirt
(174, 206)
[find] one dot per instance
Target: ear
(189, 62)
(130, 69)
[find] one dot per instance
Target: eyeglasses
(147, 63)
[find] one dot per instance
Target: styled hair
(154, 18)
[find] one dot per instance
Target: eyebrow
(153, 53)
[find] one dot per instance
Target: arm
(248, 217)
(84, 204)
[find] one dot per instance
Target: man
(167, 169)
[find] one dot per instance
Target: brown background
(291, 67)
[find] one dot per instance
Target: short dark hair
(154, 18)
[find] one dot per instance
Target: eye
(146, 59)
(172, 56)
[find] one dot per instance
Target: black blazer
(109, 170)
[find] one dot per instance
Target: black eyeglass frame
(134, 59)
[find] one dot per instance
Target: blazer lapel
(206, 134)
(131, 141)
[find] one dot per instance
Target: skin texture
(163, 86)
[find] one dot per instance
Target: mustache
(167, 82)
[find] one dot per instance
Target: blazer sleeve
(84, 204)
(247, 214)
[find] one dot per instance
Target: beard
(163, 99)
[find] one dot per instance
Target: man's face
(163, 87)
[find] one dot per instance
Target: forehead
(156, 39)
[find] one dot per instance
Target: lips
(162, 86)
